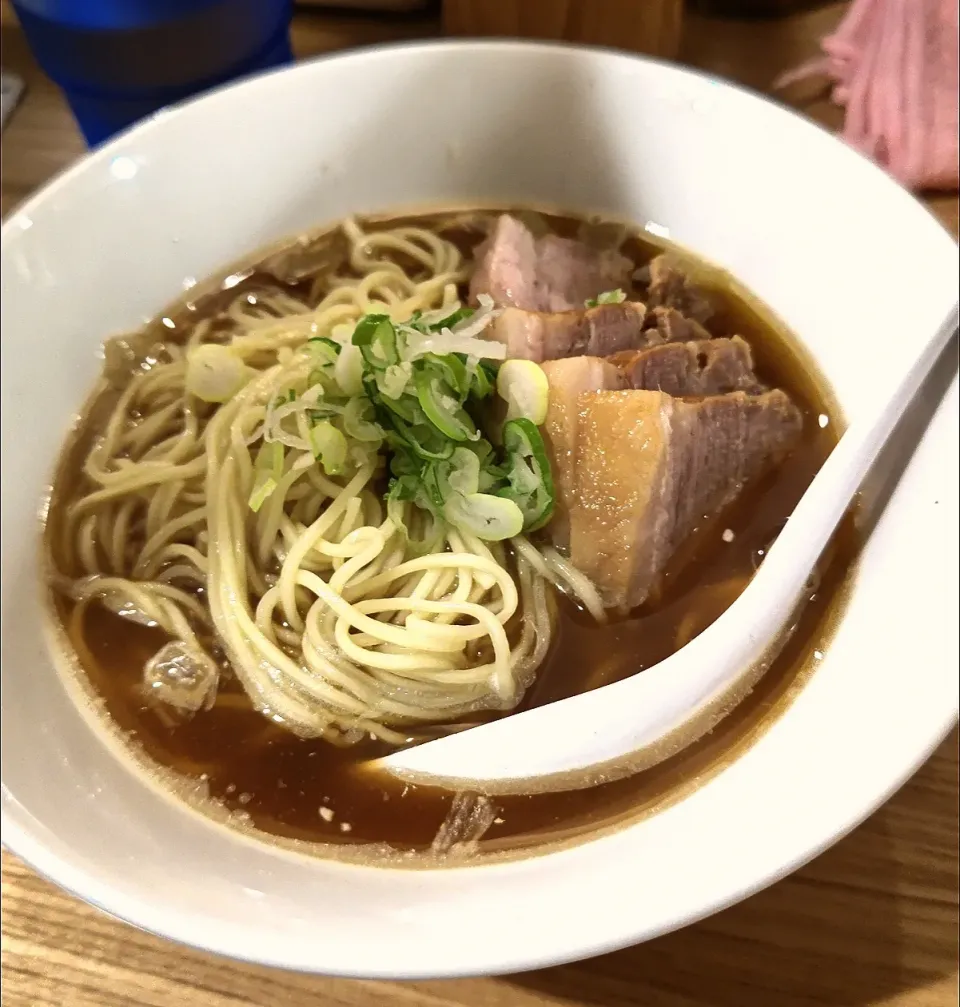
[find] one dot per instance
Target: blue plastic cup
(120, 60)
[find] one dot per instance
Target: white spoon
(638, 721)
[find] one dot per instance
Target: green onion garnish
(425, 410)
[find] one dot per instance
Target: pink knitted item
(894, 68)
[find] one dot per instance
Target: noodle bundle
(341, 613)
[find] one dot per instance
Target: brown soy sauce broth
(309, 790)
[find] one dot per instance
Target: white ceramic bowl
(849, 260)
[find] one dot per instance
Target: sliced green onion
(435, 321)
(424, 439)
(433, 484)
(459, 474)
(394, 380)
(348, 370)
(327, 408)
(404, 487)
(460, 315)
(406, 408)
(489, 480)
(398, 494)
(464, 474)
(215, 373)
(358, 421)
(491, 474)
(395, 509)
(490, 518)
(377, 339)
(327, 350)
(411, 388)
(267, 470)
(607, 297)
(483, 375)
(404, 462)
(530, 481)
(451, 368)
(330, 446)
(442, 407)
(524, 387)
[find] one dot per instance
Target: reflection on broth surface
(299, 787)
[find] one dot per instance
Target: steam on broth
(369, 490)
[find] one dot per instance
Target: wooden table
(872, 921)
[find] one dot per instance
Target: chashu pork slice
(673, 326)
(670, 286)
(649, 467)
(568, 379)
(551, 335)
(702, 367)
(683, 369)
(549, 273)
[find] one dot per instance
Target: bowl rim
(143, 126)
(85, 885)
(82, 884)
